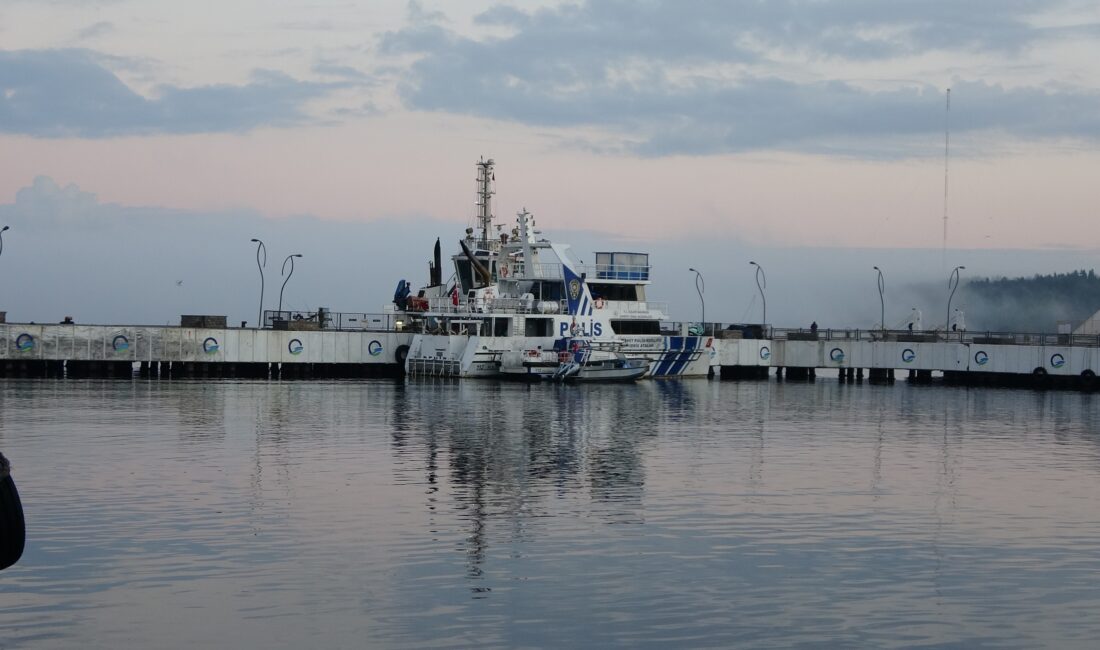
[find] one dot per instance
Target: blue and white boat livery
(515, 294)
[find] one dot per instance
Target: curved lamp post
(881, 299)
(699, 286)
(2, 238)
(954, 276)
(260, 248)
(289, 258)
(760, 276)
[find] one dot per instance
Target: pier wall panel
(744, 352)
(195, 349)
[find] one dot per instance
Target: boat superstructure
(515, 292)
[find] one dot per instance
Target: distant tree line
(1031, 304)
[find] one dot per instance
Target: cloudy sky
(153, 127)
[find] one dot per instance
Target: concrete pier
(165, 352)
(971, 359)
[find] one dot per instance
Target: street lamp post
(881, 299)
(289, 258)
(260, 248)
(954, 276)
(761, 286)
(699, 286)
(2, 238)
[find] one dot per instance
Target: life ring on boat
(503, 271)
(599, 303)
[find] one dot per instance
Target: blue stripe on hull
(690, 343)
(668, 359)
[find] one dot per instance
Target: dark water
(666, 514)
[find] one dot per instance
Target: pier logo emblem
(210, 345)
(374, 348)
(120, 343)
(981, 358)
(1057, 361)
(24, 342)
(295, 347)
(907, 355)
(837, 355)
(765, 353)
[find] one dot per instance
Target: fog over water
(67, 254)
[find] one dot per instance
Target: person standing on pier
(960, 322)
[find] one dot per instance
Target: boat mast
(484, 198)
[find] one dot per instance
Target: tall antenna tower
(485, 197)
(946, 158)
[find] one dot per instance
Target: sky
(143, 144)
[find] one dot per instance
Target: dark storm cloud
(59, 93)
(646, 70)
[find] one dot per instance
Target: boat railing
(634, 272)
(525, 271)
(479, 244)
(323, 319)
(501, 305)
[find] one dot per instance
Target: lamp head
(255, 240)
(4, 228)
(296, 255)
(877, 268)
(692, 270)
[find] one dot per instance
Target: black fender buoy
(13, 529)
(400, 354)
(1088, 381)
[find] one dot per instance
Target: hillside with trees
(1033, 304)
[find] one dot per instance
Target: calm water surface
(663, 514)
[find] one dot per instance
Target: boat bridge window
(615, 291)
(548, 290)
(538, 327)
(636, 326)
(622, 266)
(500, 326)
(465, 271)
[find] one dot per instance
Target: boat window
(500, 326)
(465, 274)
(636, 326)
(538, 327)
(614, 291)
(548, 290)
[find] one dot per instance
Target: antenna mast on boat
(946, 154)
(485, 177)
